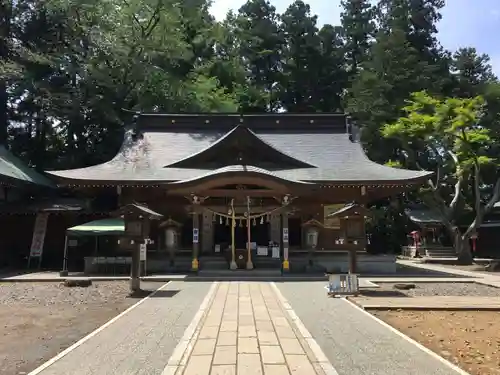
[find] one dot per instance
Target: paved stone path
(246, 328)
(248, 331)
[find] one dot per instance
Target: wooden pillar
(135, 268)
(353, 256)
(249, 246)
(353, 260)
(286, 263)
(196, 238)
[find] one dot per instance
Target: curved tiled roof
(14, 170)
(237, 170)
(332, 153)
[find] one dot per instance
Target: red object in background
(473, 238)
(416, 237)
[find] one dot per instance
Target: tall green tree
(472, 72)
(332, 74)
(404, 57)
(446, 135)
(358, 30)
(301, 59)
(259, 43)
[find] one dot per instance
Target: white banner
(195, 235)
(285, 234)
(143, 251)
(39, 235)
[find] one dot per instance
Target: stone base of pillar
(233, 265)
(249, 265)
(135, 284)
(195, 265)
(286, 265)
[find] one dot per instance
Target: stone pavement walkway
(141, 341)
(248, 331)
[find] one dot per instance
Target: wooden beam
(222, 193)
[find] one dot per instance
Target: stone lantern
(312, 231)
(171, 228)
(136, 219)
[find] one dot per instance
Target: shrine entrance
(260, 235)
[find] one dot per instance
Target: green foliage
(444, 126)
(68, 68)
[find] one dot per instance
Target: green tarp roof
(104, 227)
(13, 168)
(423, 216)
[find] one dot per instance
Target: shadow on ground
(382, 293)
(151, 293)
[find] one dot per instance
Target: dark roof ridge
(234, 132)
(333, 122)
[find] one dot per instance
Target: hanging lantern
(262, 220)
(254, 222)
(220, 219)
(240, 224)
(227, 221)
(267, 218)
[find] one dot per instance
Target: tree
(404, 57)
(445, 135)
(380, 89)
(472, 72)
(358, 28)
(301, 59)
(259, 41)
(332, 75)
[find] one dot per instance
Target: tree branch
(482, 211)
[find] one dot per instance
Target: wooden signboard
(331, 222)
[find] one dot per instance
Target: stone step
(240, 273)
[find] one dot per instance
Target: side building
(19, 186)
(259, 190)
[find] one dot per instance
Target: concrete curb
(426, 308)
(182, 351)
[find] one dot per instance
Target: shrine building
(283, 191)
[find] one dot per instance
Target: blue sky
(465, 23)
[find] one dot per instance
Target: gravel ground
(39, 320)
(353, 342)
(467, 338)
(436, 289)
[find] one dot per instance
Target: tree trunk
(5, 38)
(462, 248)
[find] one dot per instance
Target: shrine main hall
(283, 191)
